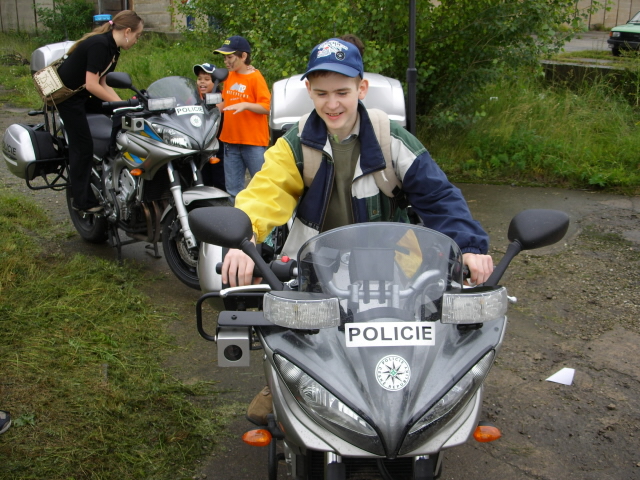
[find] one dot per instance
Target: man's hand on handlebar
(480, 267)
(237, 269)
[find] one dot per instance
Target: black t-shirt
(92, 55)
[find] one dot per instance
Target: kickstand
(114, 241)
(153, 246)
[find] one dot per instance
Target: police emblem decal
(196, 121)
(393, 373)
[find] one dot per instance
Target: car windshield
(182, 88)
(374, 268)
(635, 18)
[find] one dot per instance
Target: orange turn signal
(486, 433)
(136, 172)
(214, 160)
(257, 438)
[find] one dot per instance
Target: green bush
(67, 20)
(460, 44)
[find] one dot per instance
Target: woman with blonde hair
(88, 61)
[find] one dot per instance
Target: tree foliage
(461, 45)
(67, 20)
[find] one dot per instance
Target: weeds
(534, 134)
(80, 352)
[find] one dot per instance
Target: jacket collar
(314, 135)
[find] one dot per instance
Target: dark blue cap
(205, 67)
(233, 45)
(335, 55)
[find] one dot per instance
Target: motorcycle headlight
(449, 405)
(301, 310)
(172, 136)
(160, 104)
(474, 305)
(326, 409)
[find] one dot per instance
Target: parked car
(290, 100)
(625, 37)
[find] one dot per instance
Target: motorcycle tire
(182, 261)
(92, 228)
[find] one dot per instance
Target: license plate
(385, 334)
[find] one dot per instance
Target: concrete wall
(155, 14)
(19, 15)
(620, 12)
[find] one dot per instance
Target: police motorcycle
(374, 351)
(152, 180)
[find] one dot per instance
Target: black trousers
(73, 113)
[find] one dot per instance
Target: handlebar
(284, 270)
(132, 102)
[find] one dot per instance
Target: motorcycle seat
(100, 126)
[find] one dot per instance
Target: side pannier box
(290, 101)
(44, 56)
(30, 151)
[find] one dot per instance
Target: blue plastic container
(101, 19)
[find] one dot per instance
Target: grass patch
(526, 133)
(81, 353)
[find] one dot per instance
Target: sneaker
(5, 421)
(260, 407)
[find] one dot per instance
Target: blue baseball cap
(335, 55)
(234, 44)
(205, 67)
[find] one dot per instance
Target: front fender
(195, 194)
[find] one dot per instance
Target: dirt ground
(578, 306)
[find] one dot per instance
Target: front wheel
(182, 261)
(92, 228)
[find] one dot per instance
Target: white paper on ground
(564, 376)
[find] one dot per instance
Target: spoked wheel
(92, 228)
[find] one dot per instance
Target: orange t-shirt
(246, 128)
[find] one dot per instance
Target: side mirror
(538, 228)
(220, 74)
(528, 230)
(224, 226)
(119, 80)
(230, 227)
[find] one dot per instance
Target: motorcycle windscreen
(393, 359)
(191, 117)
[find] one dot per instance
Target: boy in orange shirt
(245, 106)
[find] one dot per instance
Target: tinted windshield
(182, 88)
(372, 267)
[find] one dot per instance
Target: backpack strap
(386, 180)
(311, 158)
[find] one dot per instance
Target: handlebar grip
(283, 270)
(132, 102)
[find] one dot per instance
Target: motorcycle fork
(176, 192)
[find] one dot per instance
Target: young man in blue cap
(337, 164)
(245, 106)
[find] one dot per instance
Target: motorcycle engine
(126, 192)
